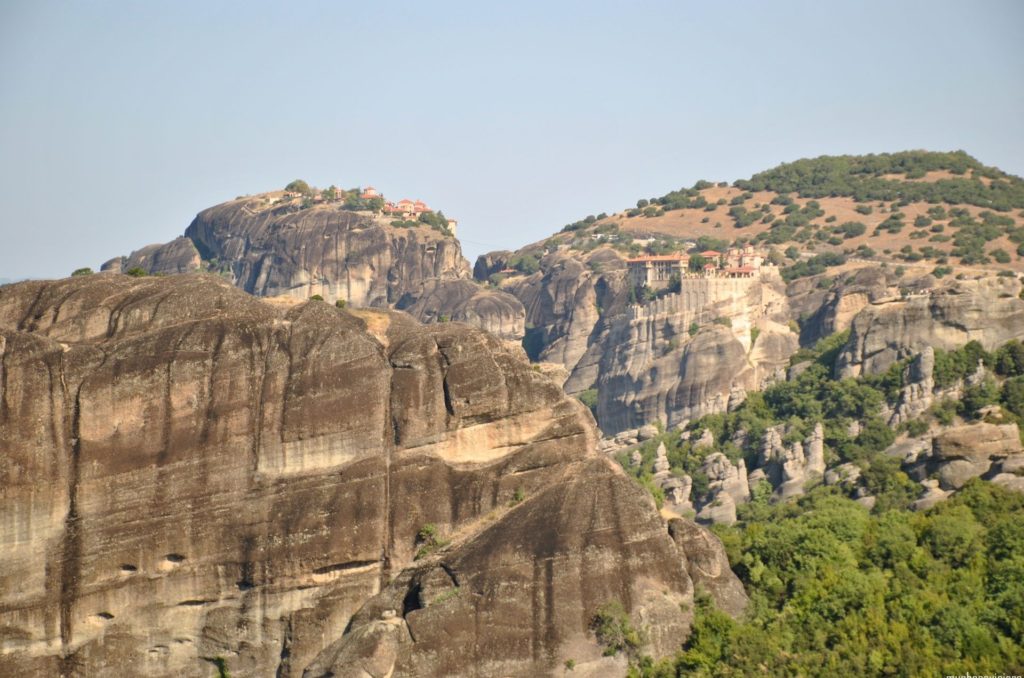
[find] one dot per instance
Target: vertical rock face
(564, 303)
(323, 250)
(653, 369)
(642, 359)
(988, 310)
(191, 473)
(917, 395)
(326, 250)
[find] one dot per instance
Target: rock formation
(178, 256)
(193, 476)
(727, 487)
(988, 310)
(497, 312)
(278, 249)
(918, 393)
(323, 250)
(965, 452)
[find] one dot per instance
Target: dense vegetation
(849, 411)
(837, 591)
(861, 177)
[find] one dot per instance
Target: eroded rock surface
(988, 310)
(356, 257)
(191, 475)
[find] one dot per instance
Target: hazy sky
(120, 120)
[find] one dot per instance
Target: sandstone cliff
(192, 476)
(988, 310)
(645, 361)
(325, 250)
(269, 246)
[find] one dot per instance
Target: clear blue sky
(120, 120)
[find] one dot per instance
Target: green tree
(299, 186)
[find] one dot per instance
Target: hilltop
(345, 246)
(946, 210)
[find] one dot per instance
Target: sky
(119, 121)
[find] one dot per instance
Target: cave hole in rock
(411, 602)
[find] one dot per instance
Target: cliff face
(668, 360)
(988, 310)
(193, 476)
(323, 250)
(336, 253)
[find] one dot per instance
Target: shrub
(525, 263)
(428, 540)
(136, 272)
(613, 629)
(340, 303)
(589, 398)
(316, 297)
(1001, 256)
(1009, 359)
(82, 271)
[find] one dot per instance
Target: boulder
(965, 452)
(708, 566)
(647, 431)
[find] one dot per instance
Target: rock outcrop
(965, 452)
(193, 476)
(727, 487)
(325, 250)
(273, 248)
(918, 393)
(178, 256)
(497, 312)
(642, 359)
(988, 310)
(708, 566)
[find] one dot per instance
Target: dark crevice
(71, 541)
(412, 601)
(284, 664)
(448, 398)
(451, 573)
(24, 326)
